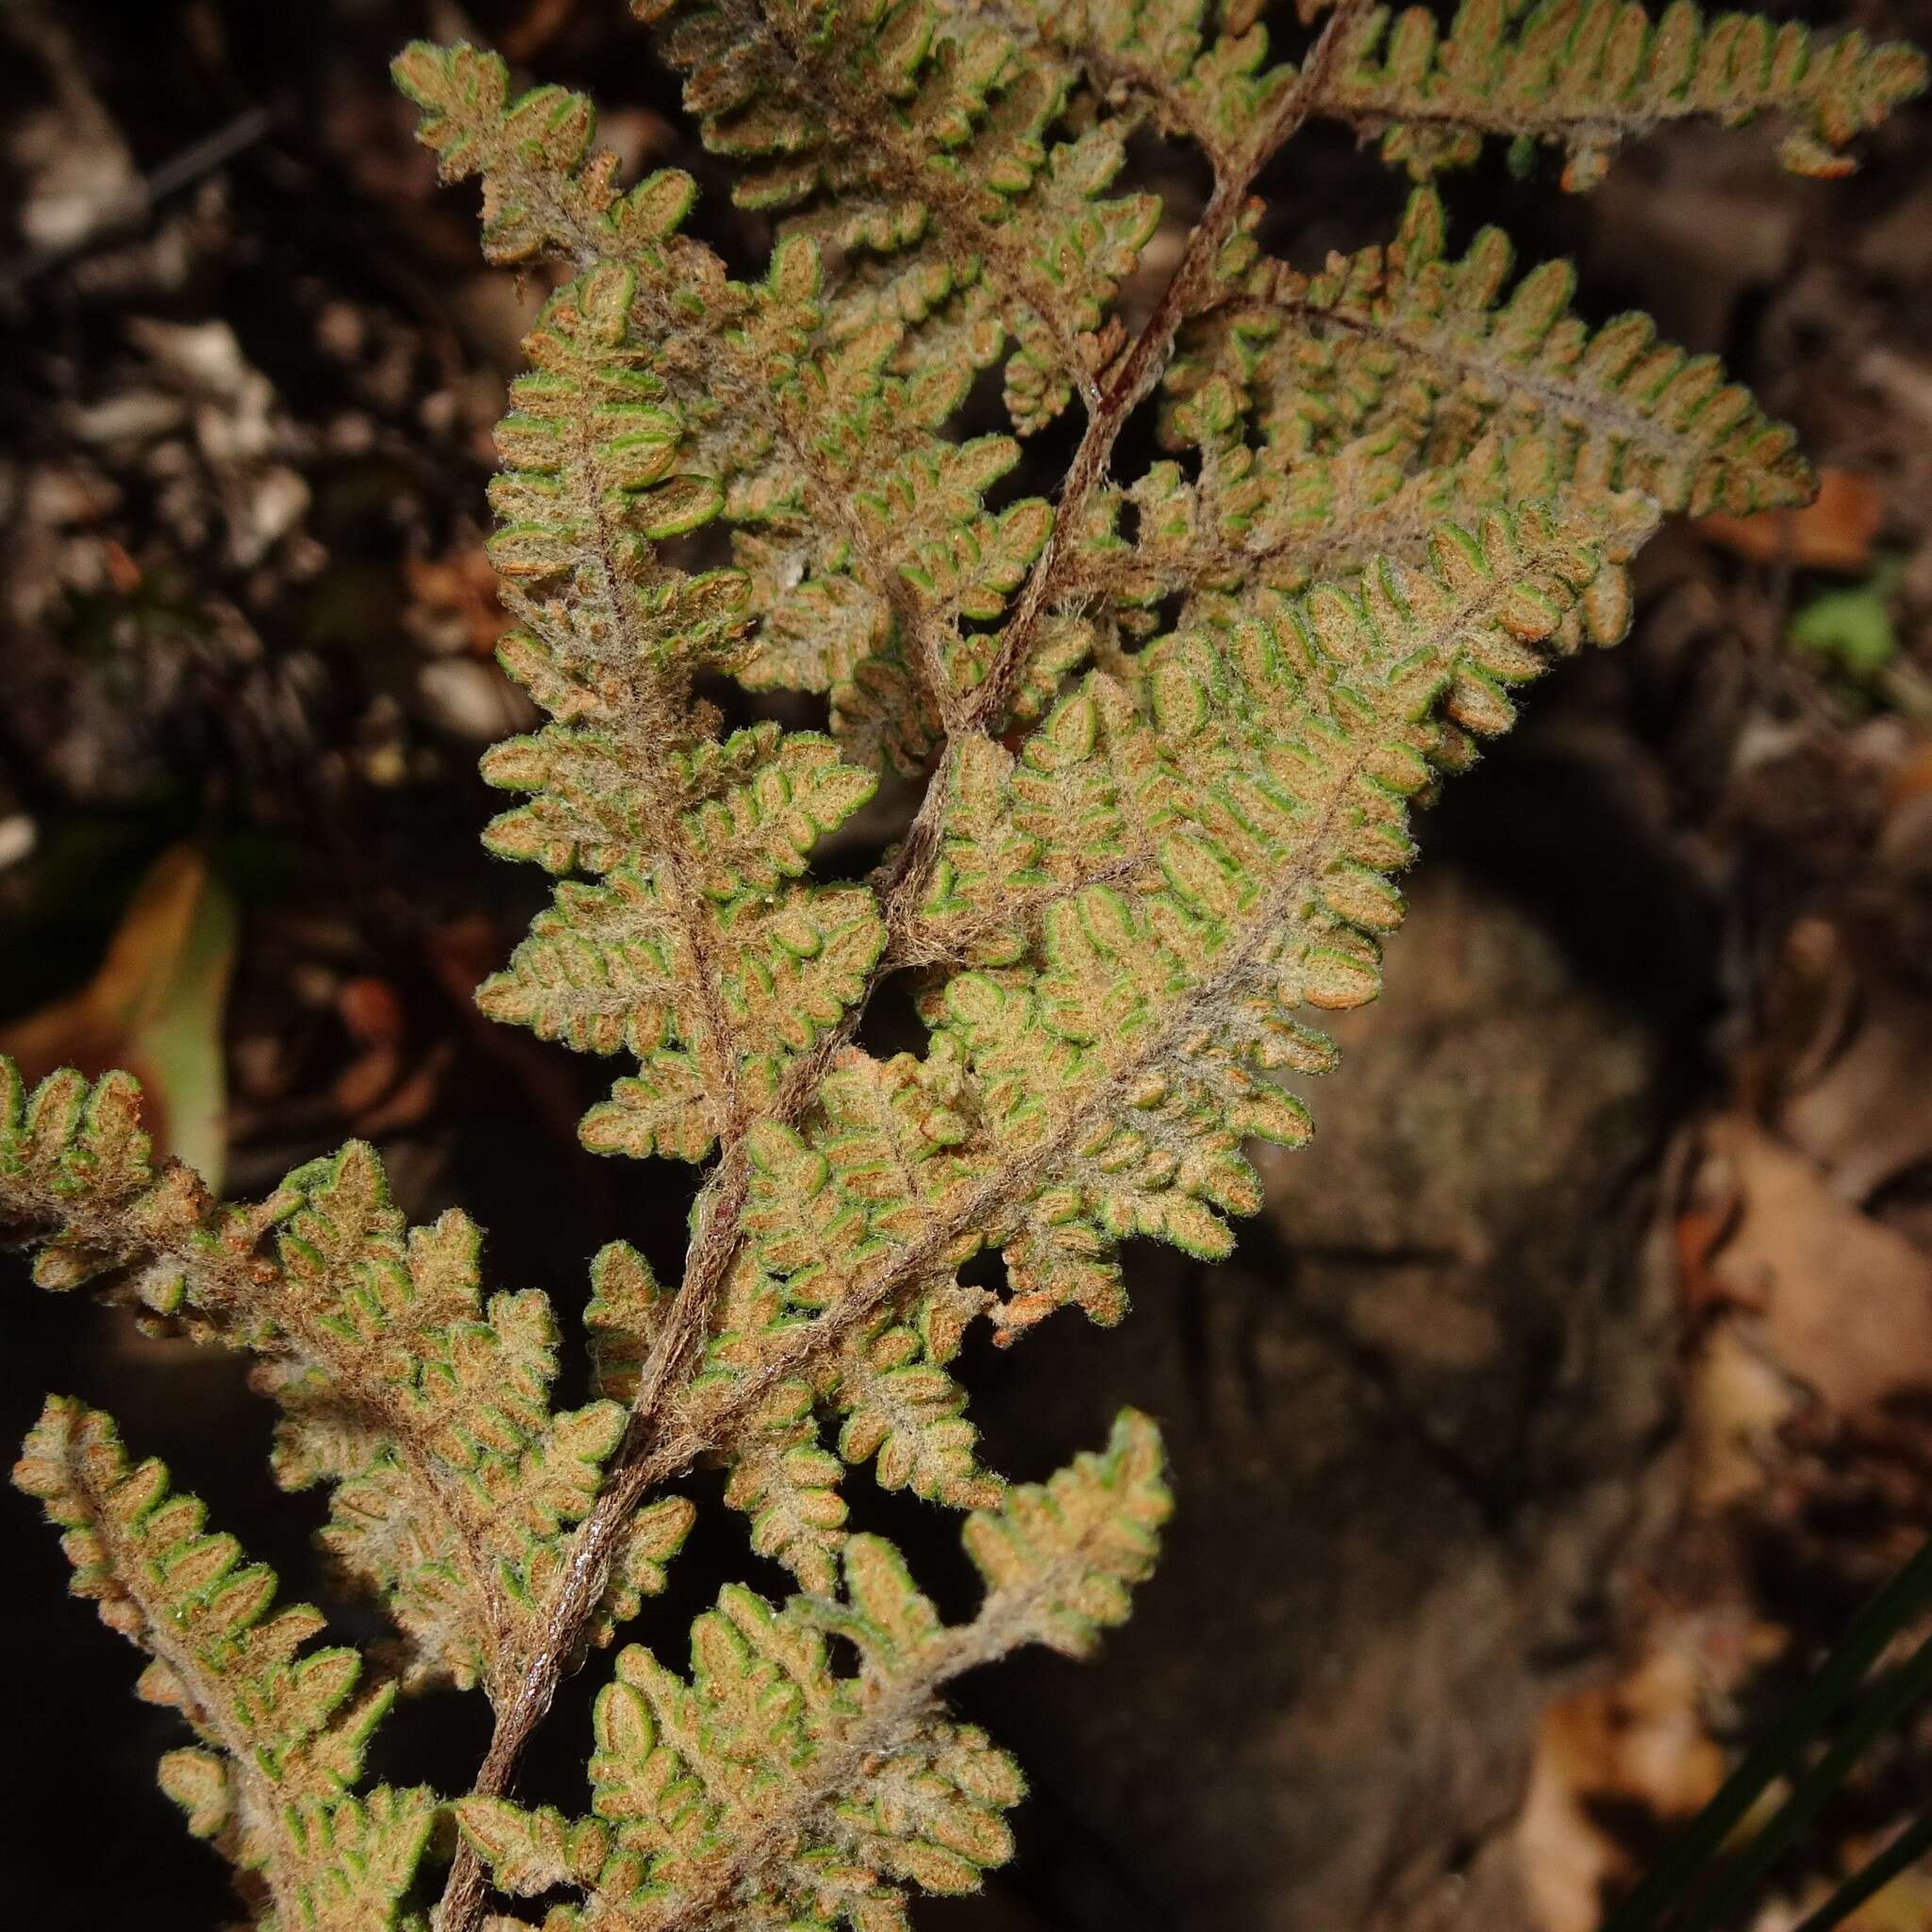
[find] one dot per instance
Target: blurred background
(1568, 1394)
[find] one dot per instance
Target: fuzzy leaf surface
(282, 1726)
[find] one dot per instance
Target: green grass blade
(1906, 1849)
(1671, 1878)
(1878, 1710)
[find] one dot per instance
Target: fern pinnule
(1587, 75)
(283, 1728)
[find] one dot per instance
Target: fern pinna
(1171, 725)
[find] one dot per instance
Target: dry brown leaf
(154, 1008)
(1834, 531)
(1846, 1303)
(1638, 1741)
(1867, 1118)
(1911, 778)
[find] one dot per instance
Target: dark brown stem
(1140, 368)
(1130, 386)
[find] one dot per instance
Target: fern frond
(814, 1215)
(703, 953)
(454, 1501)
(1586, 75)
(1251, 524)
(1171, 871)
(1247, 805)
(1200, 68)
(1411, 344)
(77, 1179)
(1229, 545)
(1371, 500)
(545, 186)
(1172, 723)
(1346, 416)
(427, 1409)
(784, 1481)
(921, 143)
(866, 557)
(769, 1789)
(283, 1728)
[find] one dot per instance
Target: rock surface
(1412, 1424)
